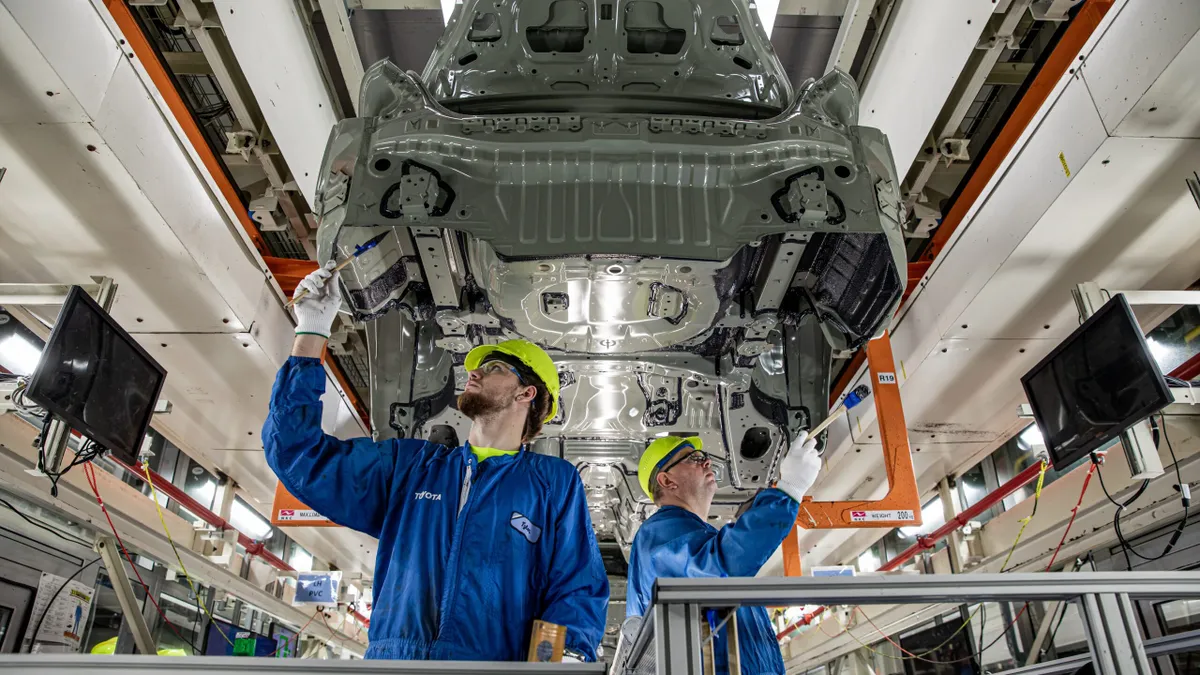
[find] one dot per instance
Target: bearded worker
(475, 542)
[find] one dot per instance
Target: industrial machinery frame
(672, 639)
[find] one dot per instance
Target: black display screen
(1099, 382)
(97, 378)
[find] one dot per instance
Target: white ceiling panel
(223, 384)
(1169, 109)
(22, 70)
(134, 131)
(916, 67)
(1132, 54)
(70, 213)
(1120, 222)
(75, 43)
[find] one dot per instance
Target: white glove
(572, 659)
(315, 311)
(798, 470)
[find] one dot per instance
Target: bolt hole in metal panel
(637, 188)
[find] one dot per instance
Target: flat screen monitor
(286, 644)
(225, 639)
(96, 377)
(1099, 382)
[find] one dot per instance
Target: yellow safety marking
(1062, 157)
(902, 370)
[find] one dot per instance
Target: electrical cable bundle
(19, 401)
(88, 451)
(1185, 497)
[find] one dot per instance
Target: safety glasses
(695, 457)
(496, 367)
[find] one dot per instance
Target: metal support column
(1116, 647)
(678, 646)
(950, 509)
(107, 548)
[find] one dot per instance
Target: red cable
(91, 479)
(1087, 479)
(298, 634)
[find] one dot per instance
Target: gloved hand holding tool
(316, 300)
(358, 250)
(799, 468)
(322, 299)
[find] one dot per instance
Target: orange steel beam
(288, 271)
(791, 554)
(902, 503)
(1053, 68)
(142, 49)
(166, 88)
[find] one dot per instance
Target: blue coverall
(675, 542)
(470, 553)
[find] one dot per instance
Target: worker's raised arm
(578, 587)
(348, 482)
(737, 550)
(741, 548)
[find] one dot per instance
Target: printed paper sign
(887, 378)
(881, 516)
(318, 588)
(65, 619)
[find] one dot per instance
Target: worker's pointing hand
(798, 470)
(315, 311)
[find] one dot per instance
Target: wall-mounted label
(881, 516)
(887, 378)
(299, 514)
(317, 587)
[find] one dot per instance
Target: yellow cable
(1037, 494)
(188, 577)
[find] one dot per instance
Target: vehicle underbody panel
(634, 187)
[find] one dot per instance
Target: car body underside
(635, 187)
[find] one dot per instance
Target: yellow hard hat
(528, 353)
(656, 452)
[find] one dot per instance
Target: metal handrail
(1114, 640)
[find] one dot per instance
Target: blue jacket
(675, 542)
(470, 553)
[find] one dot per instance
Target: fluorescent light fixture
(932, 517)
(1032, 436)
(301, 560)
(1158, 350)
(447, 10)
(19, 355)
(248, 522)
(767, 11)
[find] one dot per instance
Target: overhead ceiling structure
(109, 173)
(101, 179)
(1093, 190)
